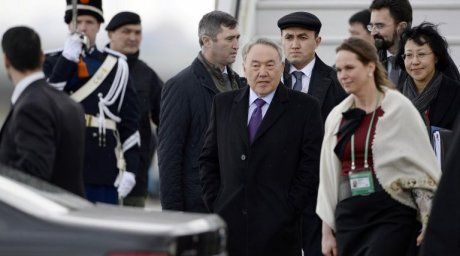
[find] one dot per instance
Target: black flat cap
(300, 19)
(123, 18)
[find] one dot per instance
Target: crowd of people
(297, 157)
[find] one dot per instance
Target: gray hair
(210, 24)
(262, 41)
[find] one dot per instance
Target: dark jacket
(324, 86)
(261, 189)
(184, 115)
(443, 232)
(100, 167)
(43, 135)
(445, 107)
(148, 87)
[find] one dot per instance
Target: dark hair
(362, 17)
(210, 24)
(367, 53)
(400, 10)
(22, 47)
(426, 33)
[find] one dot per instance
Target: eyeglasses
(420, 55)
(377, 26)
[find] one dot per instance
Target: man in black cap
(125, 33)
(304, 71)
(100, 82)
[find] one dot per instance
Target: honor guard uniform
(100, 82)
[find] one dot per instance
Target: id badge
(361, 183)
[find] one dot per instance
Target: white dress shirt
(306, 77)
(24, 83)
(252, 106)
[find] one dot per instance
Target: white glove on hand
(73, 47)
(124, 183)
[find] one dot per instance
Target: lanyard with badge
(361, 180)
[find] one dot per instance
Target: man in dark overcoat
(186, 101)
(304, 71)
(442, 234)
(259, 165)
(43, 134)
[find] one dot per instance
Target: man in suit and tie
(389, 19)
(259, 164)
(43, 134)
(304, 71)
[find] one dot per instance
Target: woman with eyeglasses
(378, 172)
(423, 53)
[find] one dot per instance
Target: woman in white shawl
(378, 172)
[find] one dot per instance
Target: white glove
(73, 47)
(124, 183)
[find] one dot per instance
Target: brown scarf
(218, 77)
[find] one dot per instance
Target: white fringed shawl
(404, 161)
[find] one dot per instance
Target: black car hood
(144, 221)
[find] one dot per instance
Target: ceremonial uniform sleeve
(58, 69)
(128, 128)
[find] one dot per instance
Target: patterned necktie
(298, 80)
(393, 73)
(256, 119)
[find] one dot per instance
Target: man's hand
(124, 183)
(73, 47)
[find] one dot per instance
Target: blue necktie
(298, 80)
(393, 73)
(256, 119)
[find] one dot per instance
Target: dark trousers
(104, 194)
(375, 225)
(311, 233)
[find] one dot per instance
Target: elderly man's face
(263, 69)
